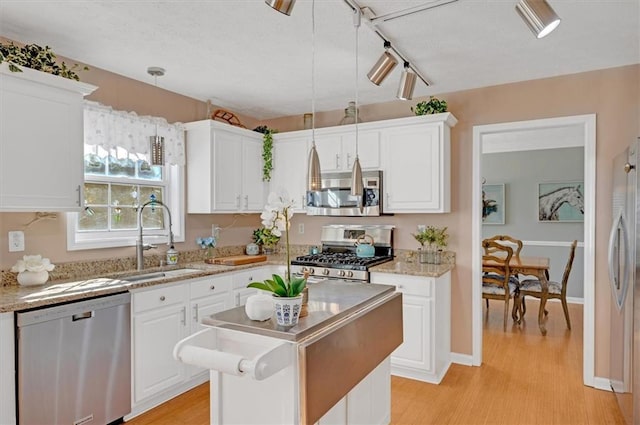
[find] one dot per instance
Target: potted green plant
(37, 58)
(266, 239)
(433, 106)
(287, 290)
(435, 239)
(267, 150)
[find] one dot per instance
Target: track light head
(407, 83)
(282, 6)
(539, 16)
(383, 66)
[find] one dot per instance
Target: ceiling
(247, 58)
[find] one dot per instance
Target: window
(117, 182)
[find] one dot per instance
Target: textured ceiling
(248, 58)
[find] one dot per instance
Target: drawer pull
(162, 298)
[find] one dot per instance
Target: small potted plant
(435, 239)
(266, 239)
(207, 243)
(433, 106)
(287, 290)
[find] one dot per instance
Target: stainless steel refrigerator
(624, 276)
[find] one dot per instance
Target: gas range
(339, 259)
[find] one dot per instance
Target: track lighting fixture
(407, 83)
(383, 66)
(282, 6)
(539, 16)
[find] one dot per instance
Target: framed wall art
(561, 202)
(493, 204)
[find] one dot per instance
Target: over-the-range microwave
(335, 199)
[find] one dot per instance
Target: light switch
(16, 241)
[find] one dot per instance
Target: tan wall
(612, 94)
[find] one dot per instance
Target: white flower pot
(259, 307)
(287, 310)
(27, 278)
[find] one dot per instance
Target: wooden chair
(507, 240)
(496, 273)
(504, 240)
(557, 290)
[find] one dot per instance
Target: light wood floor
(525, 379)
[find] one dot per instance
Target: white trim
(552, 243)
(603, 383)
(533, 139)
(588, 125)
(463, 359)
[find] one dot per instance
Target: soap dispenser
(172, 256)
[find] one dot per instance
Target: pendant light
(539, 16)
(357, 187)
(157, 142)
(314, 181)
(282, 6)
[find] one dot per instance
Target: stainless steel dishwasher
(74, 362)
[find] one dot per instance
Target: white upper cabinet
(290, 156)
(224, 168)
(337, 148)
(417, 164)
(41, 141)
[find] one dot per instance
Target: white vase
(287, 310)
(259, 307)
(27, 278)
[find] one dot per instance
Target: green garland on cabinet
(37, 58)
(267, 151)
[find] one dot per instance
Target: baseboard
(603, 383)
(166, 395)
(463, 359)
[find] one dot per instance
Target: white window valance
(108, 128)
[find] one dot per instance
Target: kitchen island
(333, 365)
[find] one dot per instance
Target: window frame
(173, 198)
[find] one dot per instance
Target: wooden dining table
(532, 266)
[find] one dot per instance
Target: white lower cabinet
(240, 280)
(367, 403)
(162, 316)
(7, 370)
(425, 353)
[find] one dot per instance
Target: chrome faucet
(140, 245)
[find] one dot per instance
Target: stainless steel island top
(330, 300)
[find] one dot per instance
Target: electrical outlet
(421, 227)
(215, 231)
(301, 228)
(16, 241)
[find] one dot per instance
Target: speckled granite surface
(74, 281)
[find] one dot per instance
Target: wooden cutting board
(236, 260)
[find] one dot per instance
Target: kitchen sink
(165, 274)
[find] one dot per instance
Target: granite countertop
(329, 301)
(399, 266)
(15, 297)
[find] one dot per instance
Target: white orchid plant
(276, 217)
(32, 263)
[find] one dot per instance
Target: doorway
(574, 131)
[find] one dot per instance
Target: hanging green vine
(267, 151)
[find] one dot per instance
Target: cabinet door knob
(162, 298)
(213, 287)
